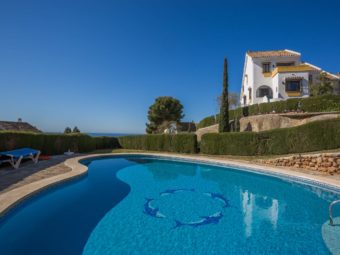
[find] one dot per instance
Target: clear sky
(100, 64)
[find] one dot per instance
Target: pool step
(331, 235)
(331, 211)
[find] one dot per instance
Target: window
(244, 100)
(286, 64)
(264, 91)
(293, 85)
(310, 79)
(266, 67)
(249, 90)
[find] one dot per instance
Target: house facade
(278, 75)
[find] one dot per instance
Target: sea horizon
(96, 134)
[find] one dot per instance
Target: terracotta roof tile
(272, 53)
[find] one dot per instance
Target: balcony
(292, 69)
(293, 93)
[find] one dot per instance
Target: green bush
(235, 114)
(292, 104)
(208, 121)
(253, 109)
(106, 142)
(314, 136)
(265, 108)
(325, 103)
(52, 144)
(184, 143)
(321, 104)
(227, 143)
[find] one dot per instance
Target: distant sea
(109, 134)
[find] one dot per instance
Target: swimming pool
(151, 205)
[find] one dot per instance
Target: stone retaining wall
(206, 130)
(265, 122)
(329, 163)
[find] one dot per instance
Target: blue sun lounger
(15, 157)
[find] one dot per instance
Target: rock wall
(271, 121)
(329, 163)
(205, 130)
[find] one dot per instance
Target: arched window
(264, 91)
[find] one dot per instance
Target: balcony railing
(293, 93)
(292, 69)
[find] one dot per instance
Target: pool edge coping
(13, 197)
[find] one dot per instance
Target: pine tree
(224, 110)
(164, 111)
(67, 130)
(76, 130)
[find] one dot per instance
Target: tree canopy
(76, 130)
(323, 86)
(163, 110)
(224, 110)
(233, 100)
(67, 130)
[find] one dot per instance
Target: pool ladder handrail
(331, 211)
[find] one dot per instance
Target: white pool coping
(13, 197)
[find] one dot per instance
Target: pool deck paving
(18, 184)
(28, 172)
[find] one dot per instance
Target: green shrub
(235, 114)
(266, 108)
(321, 104)
(253, 109)
(106, 142)
(314, 136)
(52, 144)
(184, 143)
(279, 106)
(292, 104)
(208, 121)
(228, 143)
(325, 103)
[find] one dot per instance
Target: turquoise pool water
(147, 205)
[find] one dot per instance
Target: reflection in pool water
(104, 213)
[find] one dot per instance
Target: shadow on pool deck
(28, 172)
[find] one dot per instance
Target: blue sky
(99, 65)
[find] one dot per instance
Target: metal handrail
(331, 211)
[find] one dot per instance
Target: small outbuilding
(18, 126)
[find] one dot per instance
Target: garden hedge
(327, 103)
(183, 143)
(314, 136)
(52, 144)
(235, 114)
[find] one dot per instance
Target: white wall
(247, 83)
(281, 78)
(256, 79)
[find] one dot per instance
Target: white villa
(277, 75)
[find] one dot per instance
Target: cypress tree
(224, 111)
